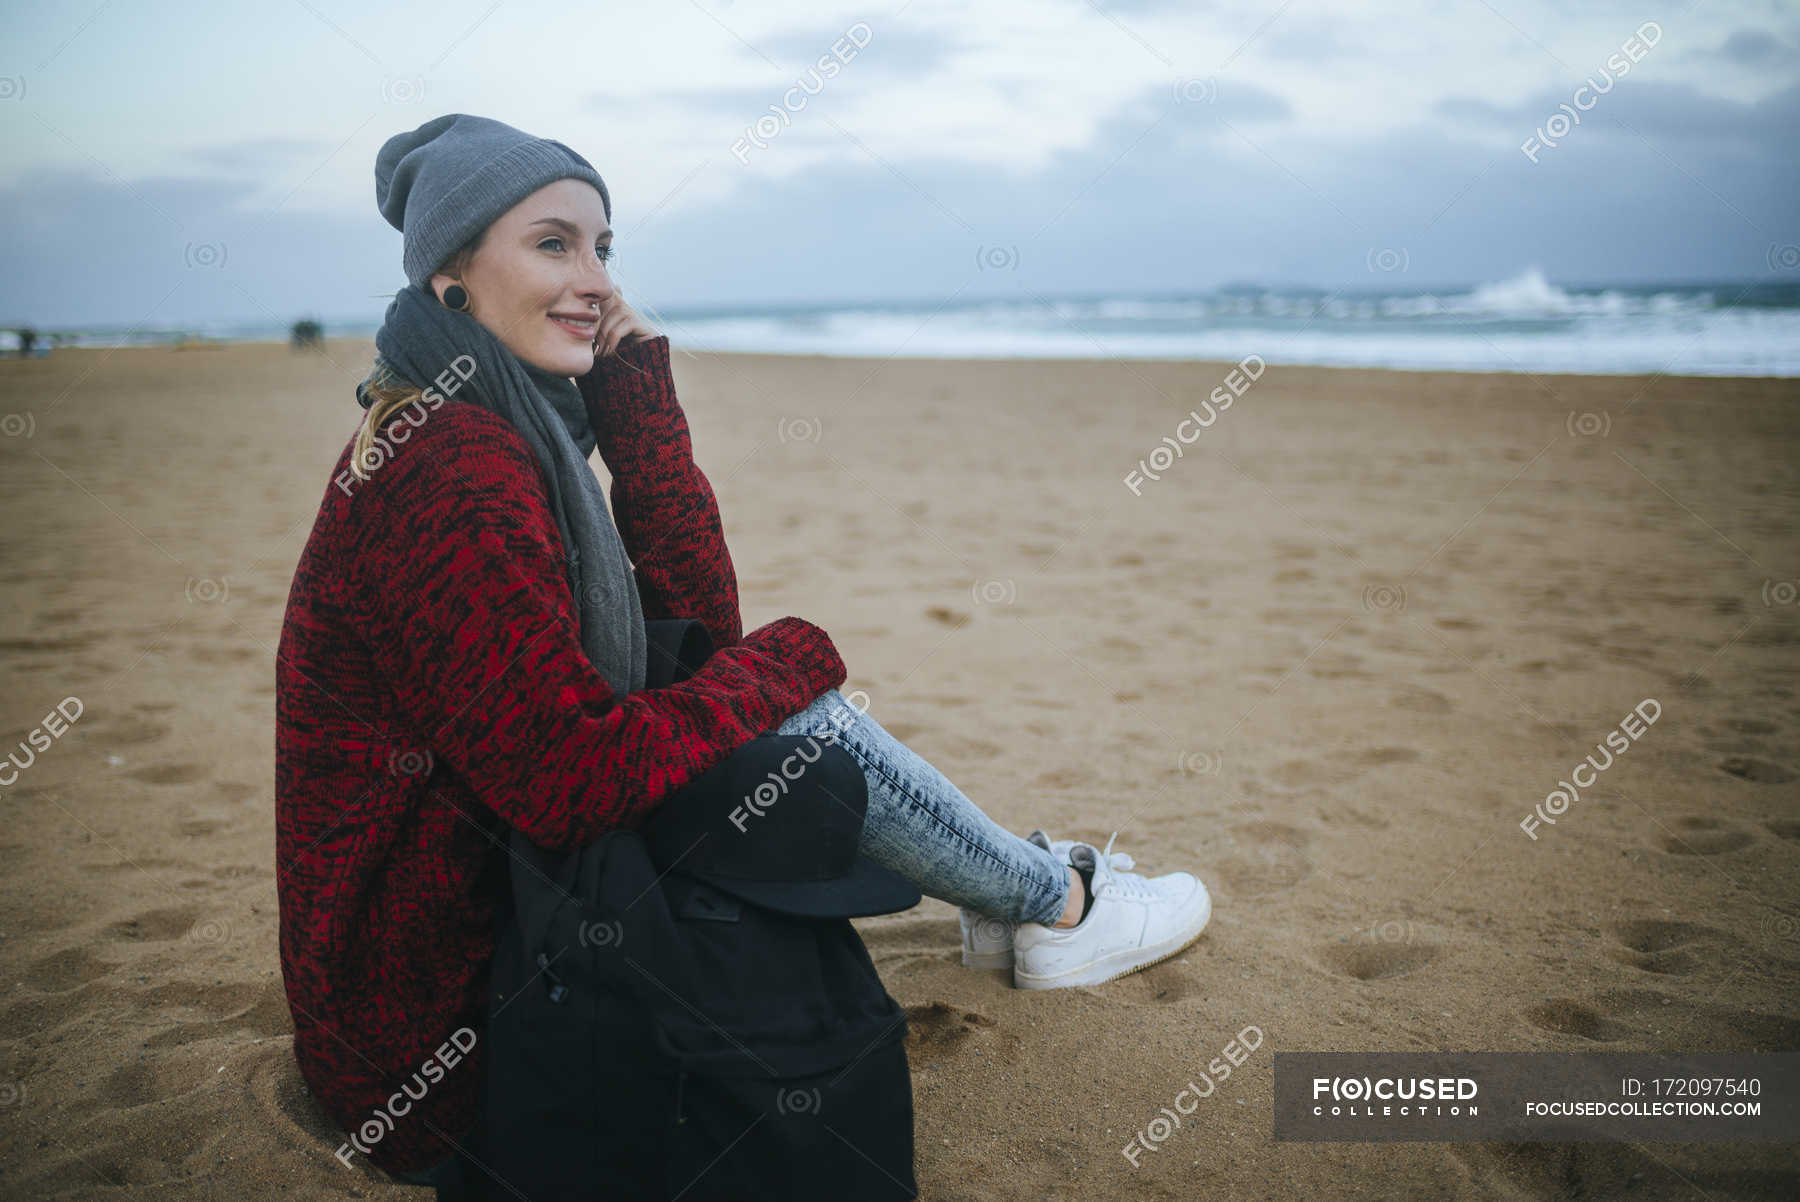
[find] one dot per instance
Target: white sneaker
(988, 942)
(1133, 922)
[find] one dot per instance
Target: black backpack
(651, 1037)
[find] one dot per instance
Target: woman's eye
(603, 252)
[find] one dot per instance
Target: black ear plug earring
(456, 297)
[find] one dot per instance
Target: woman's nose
(596, 281)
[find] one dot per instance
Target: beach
(1333, 649)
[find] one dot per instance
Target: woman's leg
(920, 825)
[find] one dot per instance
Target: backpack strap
(679, 647)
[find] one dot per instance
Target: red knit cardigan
(431, 691)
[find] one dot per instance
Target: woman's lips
(581, 330)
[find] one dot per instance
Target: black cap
(777, 824)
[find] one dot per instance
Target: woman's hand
(619, 321)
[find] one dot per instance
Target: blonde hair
(388, 393)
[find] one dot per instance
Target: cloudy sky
(180, 162)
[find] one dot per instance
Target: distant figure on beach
(27, 340)
(307, 334)
(439, 672)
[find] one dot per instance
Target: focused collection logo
(1394, 1097)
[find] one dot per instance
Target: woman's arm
(459, 589)
(663, 504)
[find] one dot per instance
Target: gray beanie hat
(446, 181)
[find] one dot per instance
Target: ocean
(1523, 324)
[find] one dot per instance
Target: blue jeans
(921, 826)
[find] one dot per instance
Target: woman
(464, 651)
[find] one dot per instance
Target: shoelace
(1118, 859)
(1118, 879)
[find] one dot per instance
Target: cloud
(1755, 48)
(889, 49)
(1209, 106)
(1320, 42)
(795, 53)
(1087, 173)
(1677, 112)
(169, 252)
(258, 154)
(685, 104)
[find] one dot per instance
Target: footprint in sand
(1750, 768)
(937, 1031)
(1673, 1020)
(1421, 700)
(1665, 948)
(156, 926)
(61, 617)
(214, 653)
(240, 1033)
(1375, 757)
(130, 730)
(1339, 770)
(58, 646)
(1784, 830)
(1568, 1016)
(1339, 813)
(190, 1013)
(1342, 665)
(169, 774)
(1063, 778)
(1266, 857)
(1691, 685)
(1698, 835)
(1375, 960)
(235, 790)
(133, 1085)
(135, 864)
(1303, 774)
(1122, 648)
(60, 972)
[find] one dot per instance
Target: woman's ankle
(1076, 905)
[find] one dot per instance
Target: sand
(1328, 662)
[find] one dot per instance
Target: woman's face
(540, 261)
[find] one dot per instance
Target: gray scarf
(417, 342)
